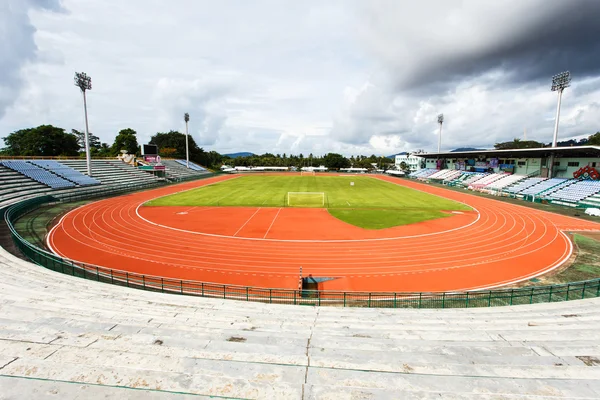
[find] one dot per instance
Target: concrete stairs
(68, 337)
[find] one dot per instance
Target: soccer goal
(307, 173)
(306, 199)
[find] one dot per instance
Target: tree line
(52, 141)
(329, 160)
(592, 140)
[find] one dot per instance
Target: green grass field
(369, 203)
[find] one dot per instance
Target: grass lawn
(369, 203)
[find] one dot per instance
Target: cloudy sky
(356, 77)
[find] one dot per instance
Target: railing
(488, 298)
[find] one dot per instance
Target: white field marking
(543, 224)
(255, 212)
(310, 240)
(559, 263)
(488, 198)
(272, 222)
(49, 237)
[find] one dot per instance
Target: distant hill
(465, 149)
(241, 154)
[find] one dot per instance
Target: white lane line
(241, 227)
(272, 222)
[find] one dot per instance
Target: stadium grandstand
(107, 341)
(177, 170)
(565, 176)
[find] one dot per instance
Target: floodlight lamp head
(186, 117)
(441, 119)
(83, 81)
(561, 81)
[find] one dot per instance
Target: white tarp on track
(593, 211)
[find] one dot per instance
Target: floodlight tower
(84, 82)
(186, 118)
(441, 122)
(559, 83)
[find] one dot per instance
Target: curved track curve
(505, 244)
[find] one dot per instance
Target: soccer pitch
(368, 203)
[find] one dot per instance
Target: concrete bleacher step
(15, 387)
(77, 336)
(206, 377)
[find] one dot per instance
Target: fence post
(531, 295)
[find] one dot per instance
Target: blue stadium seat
(66, 172)
(193, 166)
(39, 174)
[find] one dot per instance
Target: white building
(411, 160)
(320, 168)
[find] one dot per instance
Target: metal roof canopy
(571, 151)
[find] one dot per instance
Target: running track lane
(505, 244)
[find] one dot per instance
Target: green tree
(167, 141)
(45, 140)
(94, 140)
(335, 161)
(594, 140)
(126, 140)
(518, 144)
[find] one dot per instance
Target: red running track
(499, 244)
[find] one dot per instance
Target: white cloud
(346, 76)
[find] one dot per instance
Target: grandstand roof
(574, 151)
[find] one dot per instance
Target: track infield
(495, 244)
(357, 200)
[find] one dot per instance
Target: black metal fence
(488, 298)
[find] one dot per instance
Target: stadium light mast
(186, 118)
(84, 82)
(559, 83)
(440, 119)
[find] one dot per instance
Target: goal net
(307, 173)
(305, 199)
